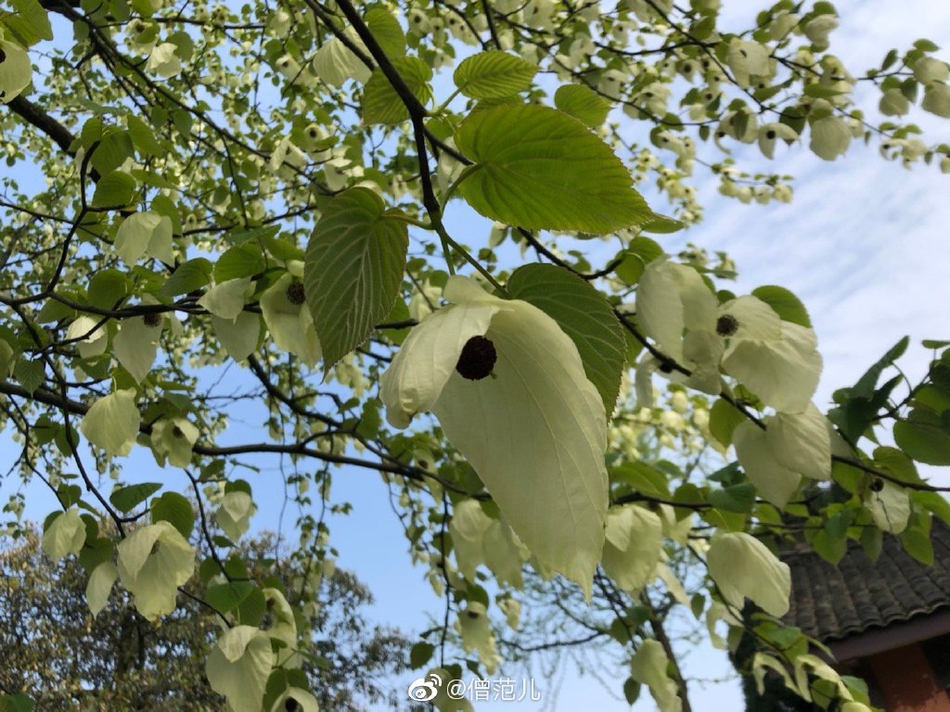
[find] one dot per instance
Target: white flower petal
(535, 432)
(633, 546)
(801, 442)
(238, 337)
(773, 480)
(743, 567)
(755, 319)
(419, 371)
(226, 300)
(100, 585)
(136, 345)
(112, 423)
(889, 507)
(783, 374)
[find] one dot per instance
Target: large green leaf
(353, 270)
(786, 305)
(924, 437)
(114, 190)
(175, 509)
(541, 169)
(30, 24)
(381, 103)
(584, 315)
(493, 75)
(128, 498)
(582, 103)
(387, 31)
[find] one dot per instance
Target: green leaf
(724, 418)
(641, 252)
(353, 270)
(143, 138)
(917, 543)
(175, 509)
(582, 103)
(924, 437)
(935, 502)
(244, 260)
(108, 288)
(493, 75)
(738, 498)
(30, 24)
(865, 385)
(111, 151)
(387, 31)
(631, 690)
(30, 374)
(784, 303)
(420, 654)
(381, 103)
(114, 190)
(662, 225)
(538, 168)
(643, 478)
(187, 277)
(227, 596)
(128, 498)
(584, 315)
(15, 703)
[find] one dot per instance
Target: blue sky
(865, 244)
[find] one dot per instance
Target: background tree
(407, 237)
(70, 660)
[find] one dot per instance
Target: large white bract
(534, 430)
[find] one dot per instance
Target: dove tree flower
(745, 338)
(509, 389)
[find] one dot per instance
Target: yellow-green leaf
(353, 270)
(493, 75)
(381, 103)
(539, 168)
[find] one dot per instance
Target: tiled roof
(832, 602)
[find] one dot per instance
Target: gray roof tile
(832, 602)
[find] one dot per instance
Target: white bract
(164, 60)
(226, 300)
(633, 546)
(477, 635)
(112, 423)
(145, 234)
(234, 514)
(792, 446)
(100, 585)
(775, 359)
(479, 539)
(743, 567)
(534, 430)
(136, 345)
(239, 666)
(153, 562)
(65, 535)
(889, 507)
(91, 338)
(649, 667)
(16, 73)
(289, 321)
(173, 439)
